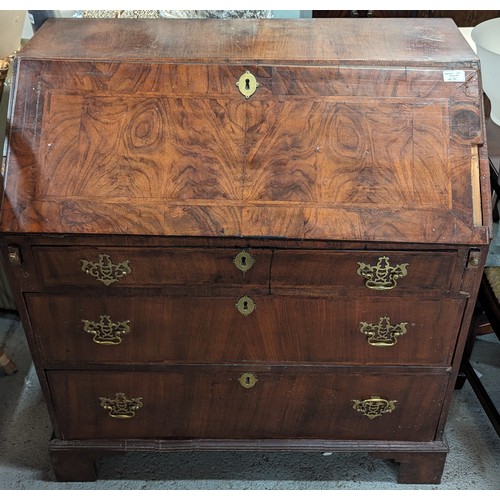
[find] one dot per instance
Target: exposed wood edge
(313, 445)
(486, 189)
(477, 216)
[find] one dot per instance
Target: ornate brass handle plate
(383, 334)
(374, 407)
(247, 380)
(121, 406)
(244, 261)
(381, 276)
(105, 331)
(247, 84)
(104, 270)
(245, 305)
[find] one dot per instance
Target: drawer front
(379, 272)
(106, 267)
(213, 403)
(138, 329)
(307, 271)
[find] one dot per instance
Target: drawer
(142, 329)
(213, 403)
(149, 267)
(378, 272)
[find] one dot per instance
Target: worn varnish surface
(131, 146)
(151, 267)
(315, 41)
(207, 329)
(312, 271)
(198, 403)
(107, 146)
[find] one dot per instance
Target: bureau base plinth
(417, 467)
(74, 464)
(419, 463)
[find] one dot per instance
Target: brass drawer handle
(382, 276)
(374, 407)
(247, 84)
(121, 406)
(105, 331)
(244, 261)
(247, 380)
(382, 334)
(104, 270)
(245, 305)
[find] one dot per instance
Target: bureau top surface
(267, 41)
(358, 130)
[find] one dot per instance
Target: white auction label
(457, 75)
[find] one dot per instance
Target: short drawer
(378, 272)
(140, 329)
(111, 267)
(247, 402)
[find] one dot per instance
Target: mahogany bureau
(247, 234)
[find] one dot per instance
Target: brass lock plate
(247, 84)
(247, 380)
(244, 261)
(245, 305)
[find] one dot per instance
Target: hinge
(14, 255)
(470, 271)
(474, 258)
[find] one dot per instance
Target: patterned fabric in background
(172, 14)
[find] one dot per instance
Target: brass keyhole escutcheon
(245, 305)
(244, 261)
(247, 84)
(247, 380)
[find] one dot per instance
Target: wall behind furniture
(462, 18)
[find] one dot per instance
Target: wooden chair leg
(483, 397)
(477, 318)
(6, 363)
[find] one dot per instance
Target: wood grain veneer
(354, 180)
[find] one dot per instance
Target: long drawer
(141, 329)
(247, 402)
